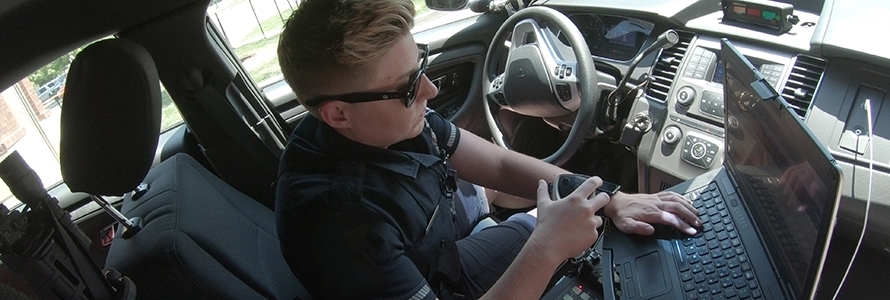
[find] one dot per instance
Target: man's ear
(333, 114)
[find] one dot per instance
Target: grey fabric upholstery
(201, 238)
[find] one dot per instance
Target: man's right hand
(567, 226)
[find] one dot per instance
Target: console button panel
(712, 104)
(699, 63)
(699, 150)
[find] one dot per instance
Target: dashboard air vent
(802, 83)
(666, 67)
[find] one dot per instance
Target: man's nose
(428, 90)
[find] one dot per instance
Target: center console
(689, 141)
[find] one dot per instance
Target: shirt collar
(406, 161)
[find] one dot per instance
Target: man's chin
(417, 132)
(418, 128)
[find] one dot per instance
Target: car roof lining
(70, 24)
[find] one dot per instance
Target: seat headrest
(111, 118)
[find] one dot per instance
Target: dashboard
(826, 66)
(613, 37)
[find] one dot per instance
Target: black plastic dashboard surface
(617, 38)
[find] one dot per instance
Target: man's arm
(483, 163)
(488, 165)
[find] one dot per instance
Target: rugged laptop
(769, 212)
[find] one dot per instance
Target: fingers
(599, 201)
(629, 225)
(586, 189)
(680, 206)
(680, 212)
(676, 222)
(543, 195)
(598, 223)
(674, 197)
(678, 216)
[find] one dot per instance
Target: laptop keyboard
(715, 265)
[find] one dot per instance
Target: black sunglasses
(407, 93)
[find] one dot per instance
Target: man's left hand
(634, 213)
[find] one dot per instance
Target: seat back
(201, 238)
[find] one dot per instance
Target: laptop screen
(787, 180)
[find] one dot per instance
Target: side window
(170, 116)
(30, 113)
(252, 28)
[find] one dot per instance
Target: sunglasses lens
(411, 94)
(415, 84)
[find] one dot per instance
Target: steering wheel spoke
(495, 91)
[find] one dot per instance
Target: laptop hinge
(728, 183)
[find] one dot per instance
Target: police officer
(369, 203)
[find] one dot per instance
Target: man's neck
(350, 134)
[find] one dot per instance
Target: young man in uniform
(368, 201)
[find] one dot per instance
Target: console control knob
(685, 96)
(699, 150)
(671, 135)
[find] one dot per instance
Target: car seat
(200, 238)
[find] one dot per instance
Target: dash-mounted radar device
(776, 16)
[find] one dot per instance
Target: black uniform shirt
(362, 222)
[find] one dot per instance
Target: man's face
(386, 122)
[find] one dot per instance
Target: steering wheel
(543, 77)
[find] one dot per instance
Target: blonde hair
(326, 43)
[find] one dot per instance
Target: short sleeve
(342, 255)
(446, 133)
